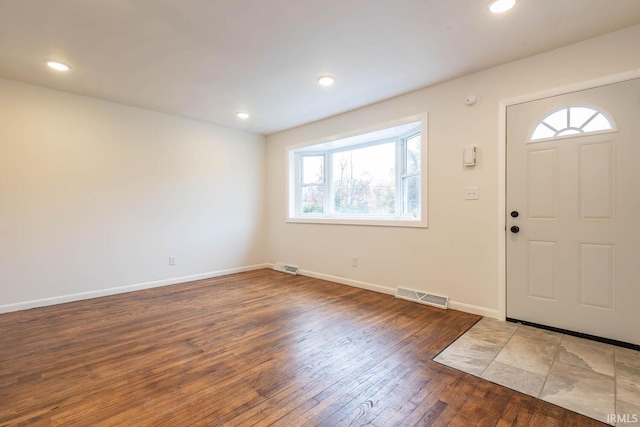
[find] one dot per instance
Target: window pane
(579, 115)
(364, 180)
(411, 195)
(569, 131)
(413, 154)
(359, 177)
(557, 120)
(599, 122)
(313, 169)
(313, 199)
(542, 132)
(570, 121)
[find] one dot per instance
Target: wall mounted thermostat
(469, 156)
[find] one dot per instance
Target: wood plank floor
(256, 348)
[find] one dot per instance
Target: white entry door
(573, 211)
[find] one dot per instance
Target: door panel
(597, 173)
(542, 183)
(597, 283)
(574, 263)
(542, 270)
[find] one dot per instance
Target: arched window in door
(571, 120)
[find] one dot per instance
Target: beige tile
(532, 352)
(587, 354)
(628, 375)
(628, 415)
(579, 371)
(492, 330)
(580, 390)
(469, 355)
(538, 334)
(514, 378)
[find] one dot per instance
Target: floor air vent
(290, 269)
(423, 298)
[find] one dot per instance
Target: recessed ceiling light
(499, 6)
(242, 115)
(326, 80)
(57, 65)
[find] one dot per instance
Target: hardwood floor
(256, 348)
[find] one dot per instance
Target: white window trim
(298, 182)
(401, 174)
(292, 185)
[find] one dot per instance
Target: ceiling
(208, 59)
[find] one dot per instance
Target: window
(375, 177)
(571, 120)
(312, 185)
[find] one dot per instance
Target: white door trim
(502, 164)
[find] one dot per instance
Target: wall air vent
(290, 269)
(423, 298)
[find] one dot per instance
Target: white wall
(97, 195)
(459, 254)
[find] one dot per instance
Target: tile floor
(588, 377)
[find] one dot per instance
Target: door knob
(515, 229)
(514, 214)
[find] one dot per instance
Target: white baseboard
(454, 305)
(122, 289)
(354, 283)
(468, 308)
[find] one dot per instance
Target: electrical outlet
(354, 262)
(172, 260)
(471, 193)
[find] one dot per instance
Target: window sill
(378, 222)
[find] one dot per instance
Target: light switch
(471, 193)
(469, 156)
